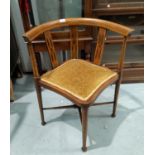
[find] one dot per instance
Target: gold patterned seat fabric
(79, 79)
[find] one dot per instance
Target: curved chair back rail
(36, 31)
(73, 23)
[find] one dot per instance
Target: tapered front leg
(84, 127)
(39, 96)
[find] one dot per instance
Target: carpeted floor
(61, 135)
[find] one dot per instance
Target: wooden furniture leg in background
(12, 98)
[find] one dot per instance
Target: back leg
(39, 96)
(117, 87)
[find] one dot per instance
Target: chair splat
(51, 49)
(74, 42)
(99, 46)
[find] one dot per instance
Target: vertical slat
(51, 49)
(33, 60)
(99, 46)
(74, 42)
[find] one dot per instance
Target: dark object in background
(15, 64)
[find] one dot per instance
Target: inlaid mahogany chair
(78, 80)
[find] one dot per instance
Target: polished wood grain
(51, 49)
(74, 42)
(36, 31)
(99, 46)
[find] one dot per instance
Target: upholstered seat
(79, 79)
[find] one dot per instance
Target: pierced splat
(99, 46)
(74, 42)
(51, 49)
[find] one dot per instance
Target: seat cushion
(79, 80)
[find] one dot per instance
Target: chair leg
(39, 96)
(79, 109)
(84, 127)
(117, 87)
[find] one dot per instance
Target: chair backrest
(73, 24)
